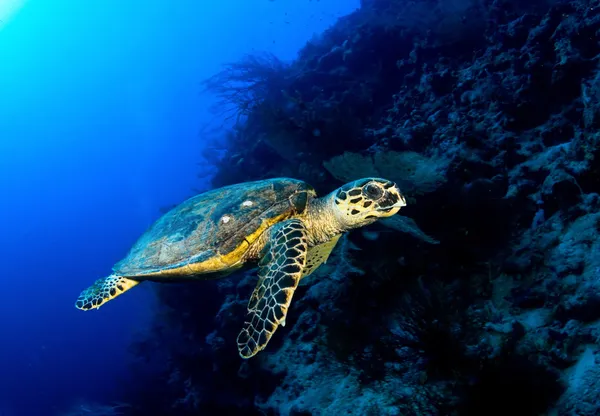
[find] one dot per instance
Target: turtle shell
(211, 232)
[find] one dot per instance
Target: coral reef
(487, 113)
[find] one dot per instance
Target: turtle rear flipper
(280, 271)
(103, 290)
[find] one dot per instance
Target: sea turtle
(279, 223)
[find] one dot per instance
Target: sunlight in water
(8, 8)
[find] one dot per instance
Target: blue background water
(100, 114)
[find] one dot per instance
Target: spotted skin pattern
(318, 255)
(280, 271)
(102, 291)
(369, 198)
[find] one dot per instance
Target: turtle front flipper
(103, 290)
(280, 271)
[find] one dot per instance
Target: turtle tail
(103, 290)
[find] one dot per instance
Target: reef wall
(485, 297)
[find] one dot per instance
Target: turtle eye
(373, 191)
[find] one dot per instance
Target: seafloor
(483, 298)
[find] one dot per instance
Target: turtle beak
(401, 202)
(393, 199)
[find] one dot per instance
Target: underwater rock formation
(488, 112)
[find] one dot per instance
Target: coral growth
(486, 112)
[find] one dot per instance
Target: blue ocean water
(101, 114)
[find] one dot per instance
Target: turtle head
(364, 201)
